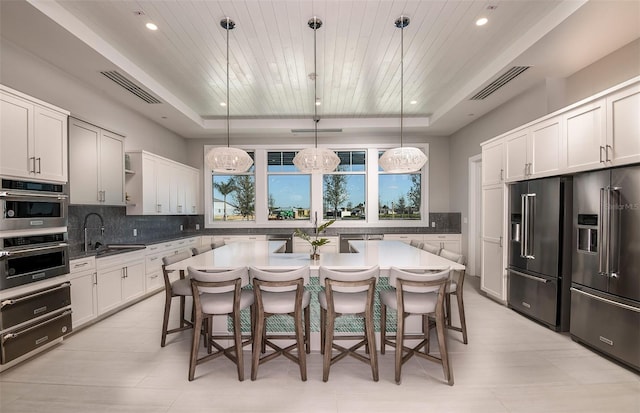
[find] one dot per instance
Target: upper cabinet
(492, 162)
(623, 126)
(159, 186)
(96, 165)
(534, 151)
(33, 138)
(586, 136)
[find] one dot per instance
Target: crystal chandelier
(316, 160)
(405, 158)
(226, 159)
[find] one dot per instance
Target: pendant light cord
(228, 28)
(315, 82)
(401, 79)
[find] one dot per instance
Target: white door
(546, 149)
(586, 136)
(16, 137)
(109, 289)
(50, 144)
(133, 281)
(623, 126)
(83, 298)
(517, 160)
(149, 186)
(83, 153)
(493, 273)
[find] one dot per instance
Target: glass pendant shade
(228, 160)
(404, 159)
(316, 160)
(224, 158)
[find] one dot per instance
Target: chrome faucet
(86, 240)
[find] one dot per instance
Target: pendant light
(405, 158)
(316, 160)
(226, 159)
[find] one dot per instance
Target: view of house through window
(289, 190)
(234, 196)
(344, 191)
(399, 195)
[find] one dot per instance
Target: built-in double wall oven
(33, 248)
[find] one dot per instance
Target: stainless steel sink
(111, 249)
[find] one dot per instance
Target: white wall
(439, 196)
(29, 74)
(540, 100)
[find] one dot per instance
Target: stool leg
(442, 344)
(371, 343)
(238, 344)
(323, 325)
(195, 341)
(257, 344)
(328, 338)
(165, 318)
(300, 340)
(383, 328)
(463, 321)
(307, 329)
(399, 345)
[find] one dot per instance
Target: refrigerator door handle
(603, 231)
(613, 233)
(595, 297)
(523, 226)
(531, 212)
(531, 277)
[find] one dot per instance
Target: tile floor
(511, 364)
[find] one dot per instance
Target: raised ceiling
(448, 59)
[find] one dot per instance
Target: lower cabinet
(120, 278)
(154, 280)
(84, 301)
(446, 242)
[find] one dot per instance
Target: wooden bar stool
(178, 288)
(416, 292)
(455, 287)
(347, 292)
(202, 248)
(219, 292)
(281, 292)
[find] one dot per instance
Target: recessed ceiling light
(482, 21)
(413, 102)
(151, 26)
(223, 103)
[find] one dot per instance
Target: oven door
(23, 266)
(32, 211)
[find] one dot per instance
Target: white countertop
(260, 254)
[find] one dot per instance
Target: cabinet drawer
(24, 340)
(82, 264)
(153, 263)
(23, 308)
(536, 297)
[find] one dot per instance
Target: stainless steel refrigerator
(605, 290)
(539, 250)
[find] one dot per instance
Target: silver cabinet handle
(601, 149)
(606, 152)
(39, 165)
(33, 159)
(501, 174)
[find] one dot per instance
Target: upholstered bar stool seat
(199, 250)
(431, 248)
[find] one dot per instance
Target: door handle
(602, 224)
(531, 277)
(606, 152)
(39, 165)
(523, 226)
(601, 149)
(33, 158)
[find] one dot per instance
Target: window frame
(371, 188)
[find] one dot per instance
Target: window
(234, 196)
(273, 193)
(344, 191)
(289, 191)
(399, 195)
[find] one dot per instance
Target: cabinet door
(623, 126)
(191, 192)
(164, 183)
(492, 161)
(112, 168)
(546, 147)
(586, 136)
(16, 137)
(493, 274)
(133, 281)
(83, 155)
(517, 160)
(50, 144)
(149, 192)
(406, 238)
(179, 189)
(109, 289)
(454, 246)
(83, 298)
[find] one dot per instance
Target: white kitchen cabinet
(120, 278)
(239, 238)
(160, 186)
(586, 136)
(302, 246)
(623, 126)
(84, 300)
(155, 252)
(493, 275)
(33, 138)
(96, 165)
(450, 242)
(492, 162)
(406, 238)
(535, 151)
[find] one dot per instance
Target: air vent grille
(505, 78)
(125, 83)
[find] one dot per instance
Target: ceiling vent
(505, 78)
(313, 130)
(130, 86)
